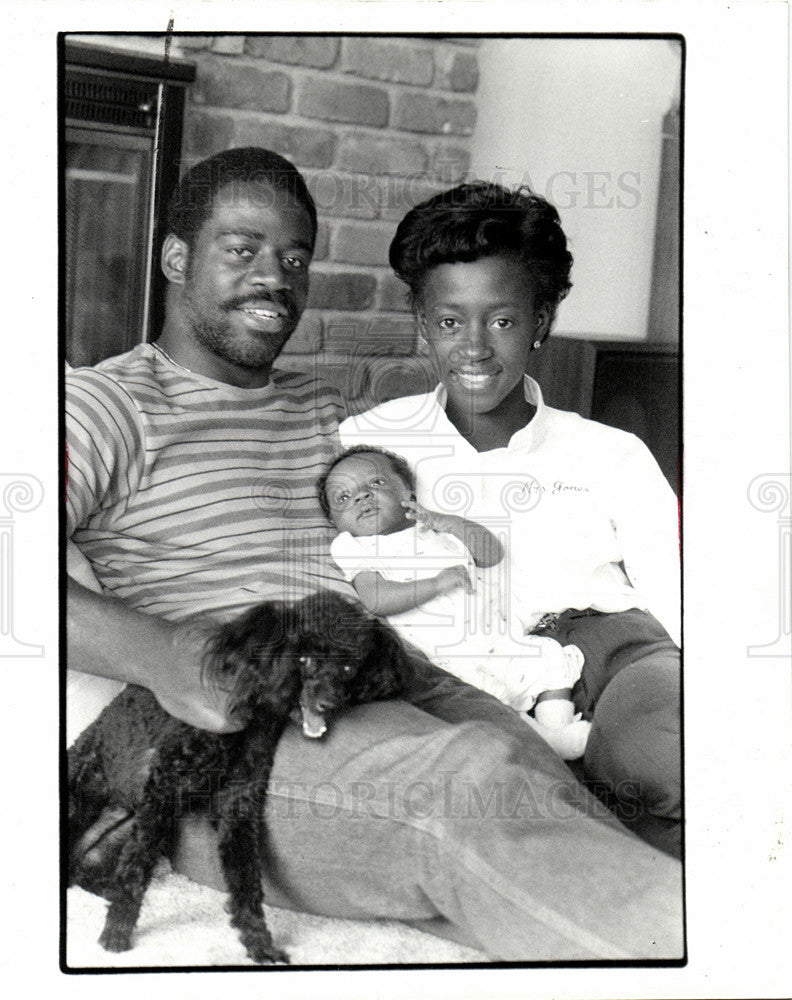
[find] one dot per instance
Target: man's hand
(184, 692)
(109, 639)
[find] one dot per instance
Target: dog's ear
(254, 635)
(330, 617)
(386, 670)
(241, 654)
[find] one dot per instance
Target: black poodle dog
(306, 660)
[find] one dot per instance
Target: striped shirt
(189, 495)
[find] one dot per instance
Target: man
(191, 474)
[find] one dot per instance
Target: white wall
(580, 120)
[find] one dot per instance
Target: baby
(416, 567)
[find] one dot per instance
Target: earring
(537, 344)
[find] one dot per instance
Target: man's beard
(217, 334)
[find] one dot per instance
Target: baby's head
(362, 491)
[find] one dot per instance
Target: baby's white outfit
(466, 634)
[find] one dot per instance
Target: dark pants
(630, 690)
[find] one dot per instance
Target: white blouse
(586, 516)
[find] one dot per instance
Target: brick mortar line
(328, 266)
(300, 73)
(293, 118)
(392, 86)
(365, 315)
(337, 75)
(381, 132)
(310, 174)
(338, 221)
(394, 178)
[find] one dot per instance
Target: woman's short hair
(480, 219)
(398, 464)
(191, 203)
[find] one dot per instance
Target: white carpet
(185, 924)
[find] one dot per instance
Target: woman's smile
(474, 380)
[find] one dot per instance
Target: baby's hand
(452, 577)
(428, 518)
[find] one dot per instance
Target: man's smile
(261, 312)
(474, 380)
(267, 315)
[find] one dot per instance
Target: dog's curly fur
(311, 657)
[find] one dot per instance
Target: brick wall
(376, 124)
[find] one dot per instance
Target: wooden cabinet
(631, 385)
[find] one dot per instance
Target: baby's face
(364, 494)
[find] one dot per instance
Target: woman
(588, 518)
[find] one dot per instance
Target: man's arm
(108, 639)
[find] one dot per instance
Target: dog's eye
(348, 668)
(303, 660)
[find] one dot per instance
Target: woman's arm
(483, 546)
(389, 597)
(108, 639)
(645, 514)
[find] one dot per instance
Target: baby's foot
(573, 655)
(568, 741)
